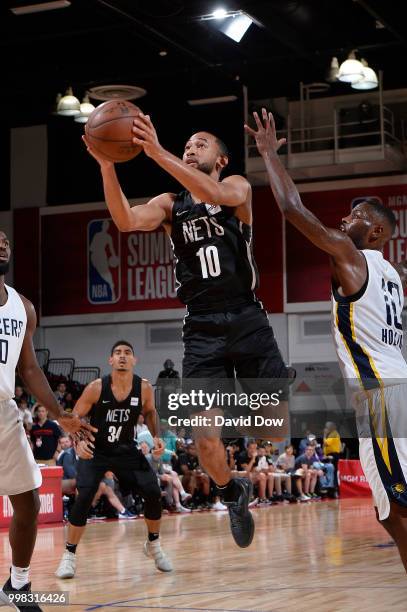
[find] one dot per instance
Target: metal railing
(85, 375)
(339, 135)
(61, 367)
(42, 358)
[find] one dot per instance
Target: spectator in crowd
(25, 413)
(332, 442)
(19, 394)
(286, 461)
(68, 460)
(167, 382)
(141, 426)
(168, 371)
(68, 401)
(166, 477)
(306, 475)
(327, 478)
(248, 461)
(194, 480)
(106, 488)
(309, 437)
(282, 478)
(44, 437)
(170, 441)
(60, 393)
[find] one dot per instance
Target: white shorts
(18, 471)
(383, 446)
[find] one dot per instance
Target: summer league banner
(88, 266)
(275, 409)
(305, 262)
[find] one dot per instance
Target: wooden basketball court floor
(328, 556)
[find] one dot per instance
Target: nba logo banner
(104, 269)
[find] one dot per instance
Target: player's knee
(79, 511)
(152, 502)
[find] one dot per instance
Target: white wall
(89, 345)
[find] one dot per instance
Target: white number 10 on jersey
(209, 258)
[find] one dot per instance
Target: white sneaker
(185, 496)
(219, 506)
(154, 551)
(181, 509)
(304, 498)
(67, 566)
(254, 503)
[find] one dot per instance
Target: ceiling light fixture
(40, 8)
(68, 105)
(351, 70)
(219, 13)
(86, 109)
(369, 79)
(236, 27)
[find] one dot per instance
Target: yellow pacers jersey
(367, 327)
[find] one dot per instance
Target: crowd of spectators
(288, 475)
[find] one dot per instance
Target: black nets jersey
(214, 265)
(116, 421)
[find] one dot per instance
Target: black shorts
(132, 471)
(237, 343)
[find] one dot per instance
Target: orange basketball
(109, 130)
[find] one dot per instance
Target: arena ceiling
(165, 47)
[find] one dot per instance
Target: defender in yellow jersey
(367, 303)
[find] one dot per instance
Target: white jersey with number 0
(13, 322)
(367, 327)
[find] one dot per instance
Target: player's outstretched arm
(232, 191)
(145, 217)
(333, 241)
(36, 382)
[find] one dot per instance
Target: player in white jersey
(367, 302)
(20, 476)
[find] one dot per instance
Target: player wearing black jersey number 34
(226, 331)
(115, 403)
(20, 476)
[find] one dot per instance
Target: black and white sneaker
(14, 602)
(241, 520)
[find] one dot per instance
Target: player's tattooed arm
(36, 382)
(148, 409)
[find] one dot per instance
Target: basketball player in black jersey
(115, 403)
(226, 331)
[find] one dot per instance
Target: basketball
(109, 130)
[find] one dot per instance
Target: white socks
(19, 576)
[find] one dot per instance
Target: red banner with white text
(352, 480)
(50, 499)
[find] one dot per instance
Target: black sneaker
(23, 607)
(241, 520)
